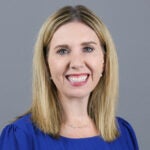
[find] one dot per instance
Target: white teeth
(77, 79)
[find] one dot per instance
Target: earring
(101, 75)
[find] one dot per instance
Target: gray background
(128, 22)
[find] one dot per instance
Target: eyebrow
(88, 43)
(61, 46)
(83, 44)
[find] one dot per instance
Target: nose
(77, 62)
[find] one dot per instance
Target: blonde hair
(46, 109)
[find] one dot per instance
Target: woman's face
(75, 60)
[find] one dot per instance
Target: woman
(75, 89)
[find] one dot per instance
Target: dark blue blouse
(23, 135)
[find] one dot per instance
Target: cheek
(56, 68)
(97, 60)
(97, 64)
(52, 67)
(97, 68)
(55, 73)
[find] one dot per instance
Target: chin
(78, 95)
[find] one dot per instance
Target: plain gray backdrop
(129, 24)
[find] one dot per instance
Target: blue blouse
(23, 135)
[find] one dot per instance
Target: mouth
(77, 79)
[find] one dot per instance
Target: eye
(88, 49)
(62, 51)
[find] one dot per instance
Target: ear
(103, 66)
(103, 63)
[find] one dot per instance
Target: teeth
(77, 79)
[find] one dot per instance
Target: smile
(77, 79)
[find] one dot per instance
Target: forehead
(73, 32)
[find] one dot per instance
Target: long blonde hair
(46, 109)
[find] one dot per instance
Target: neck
(74, 109)
(76, 122)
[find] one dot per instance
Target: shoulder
(23, 123)
(127, 132)
(18, 133)
(124, 126)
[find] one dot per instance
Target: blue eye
(62, 51)
(88, 49)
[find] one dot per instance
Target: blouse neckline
(80, 139)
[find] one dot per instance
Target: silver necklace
(77, 126)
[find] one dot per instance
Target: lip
(77, 79)
(77, 74)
